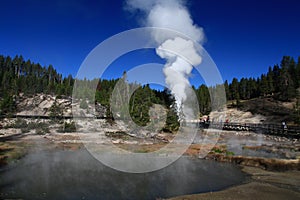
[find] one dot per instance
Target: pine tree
(297, 74)
(226, 87)
(243, 88)
(270, 80)
(296, 113)
(292, 71)
(203, 99)
(235, 90)
(286, 85)
(276, 74)
(7, 105)
(55, 112)
(263, 86)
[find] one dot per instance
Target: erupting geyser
(173, 14)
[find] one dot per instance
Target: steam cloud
(174, 15)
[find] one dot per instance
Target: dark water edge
(76, 174)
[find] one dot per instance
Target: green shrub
(83, 104)
(56, 112)
(19, 123)
(25, 130)
(172, 122)
(40, 127)
(67, 127)
(7, 105)
(42, 131)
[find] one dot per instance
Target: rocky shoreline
(262, 184)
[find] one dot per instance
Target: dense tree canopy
(281, 82)
(19, 76)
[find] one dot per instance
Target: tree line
(126, 100)
(24, 76)
(281, 82)
(20, 76)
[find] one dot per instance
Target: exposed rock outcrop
(40, 105)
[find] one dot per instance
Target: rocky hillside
(41, 104)
(259, 110)
(273, 110)
(233, 115)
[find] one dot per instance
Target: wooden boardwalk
(269, 129)
(46, 117)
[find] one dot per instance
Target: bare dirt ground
(262, 185)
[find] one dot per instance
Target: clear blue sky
(244, 37)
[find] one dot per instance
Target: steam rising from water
(173, 14)
(68, 175)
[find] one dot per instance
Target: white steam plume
(172, 14)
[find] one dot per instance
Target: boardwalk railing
(269, 129)
(48, 117)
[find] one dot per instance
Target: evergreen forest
(17, 76)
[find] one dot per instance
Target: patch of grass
(16, 155)
(11, 153)
(217, 150)
(141, 151)
(229, 153)
(222, 150)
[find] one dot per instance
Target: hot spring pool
(76, 174)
